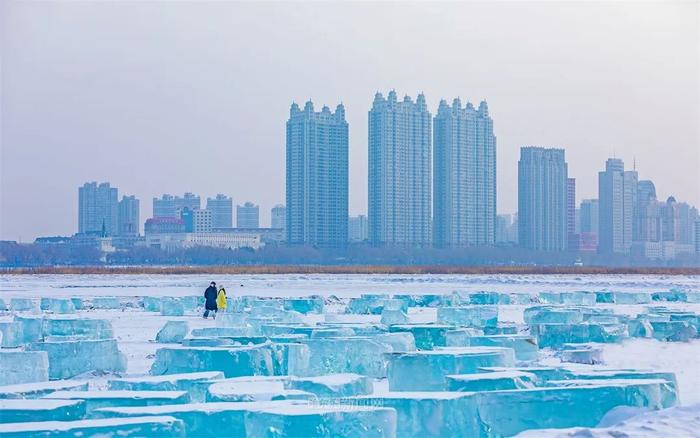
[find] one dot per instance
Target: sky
(167, 97)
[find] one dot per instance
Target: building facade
(98, 209)
(171, 206)
(572, 236)
(617, 196)
(464, 169)
(358, 228)
(248, 215)
(399, 191)
(221, 208)
(317, 176)
(542, 199)
(129, 218)
(278, 217)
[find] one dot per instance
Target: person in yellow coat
(221, 299)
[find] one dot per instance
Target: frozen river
(340, 285)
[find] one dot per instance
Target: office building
(399, 191)
(129, 220)
(617, 197)
(164, 225)
(464, 169)
(171, 206)
(572, 237)
(278, 216)
(507, 229)
(221, 208)
(98, 209)
(589, 216)
(247, 215)
(542, 199)
(317, 176)
(358, 228)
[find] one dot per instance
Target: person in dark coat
(210, 301)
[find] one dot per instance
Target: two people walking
(214, 300)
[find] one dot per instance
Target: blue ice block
(23, 304)
(173, 332)
(189, 382)
(672, 296)
(650, 392)
(108, 303)
(366, 304)
(542, 374)
(552, 315)
(231, 319)
(3, 305)
(399, 341)
(433, 366)
(72, 326)
(395, 304)
(432, 300)
(495, 381)
(428, 414)
(77, 303)
(393, 316)
(358, 355)
(506, 413)
(427, 336)
(201, 420)
(460, 337)
(214, 332)
(11, 334)
(57, 305)
(502, 329)
(23, 367)
(554, 335)
(249, 389)
(192, 303)
(110, 427)
(233, 362)
(31, 327)
(70, 358)
(278, 315)
(327, 421)
(332, 332)
(486, 297)
(595, 373)
(632, 298)
(151, 304)
(580, 298)
(678, 331)
(605, 297)
(40, 389)
(469, 316)
(17, 411)
(171, 307)
(640, 328)
(333, 385)
(525, 346)
(290, 358)
(304, 305)
(549, 297)
(588, 354)
(106, 399)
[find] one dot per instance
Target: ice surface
(333, 385)
(104, 399)
(189, 382)
(247, 389)
(40, 389)
(16, 411)
(103, 428)
(491, 381)
(468, 316)
(393, 316)
(71, 358)
(72, 326)
(57, 305)
(304, 305)
(173, 332)
(428, 414)
(427, 370)
(23, 367)
(555, 335)
(106, 303)
(11, 334)
(427, 336)
(171, 307)
(202, 420)
(327, 421)
(233, 362)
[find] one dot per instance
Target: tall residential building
(507, 229)
(617, 195)
(399, 172)
(278, 216)
(129, 220)
(98, 209)
(572, 238)
(646, 196)
(542, 199)
(697, 236)
(358, 228)
(202, 221)
(589, 216)
(248, 215)
(464, 165)
(171, 206)
(221, 208)
(317, 176)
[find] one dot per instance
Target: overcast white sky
(160, 96)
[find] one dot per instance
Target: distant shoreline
(348, 269)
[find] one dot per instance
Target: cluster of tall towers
(432, 180)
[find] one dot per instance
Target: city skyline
(205, 114)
